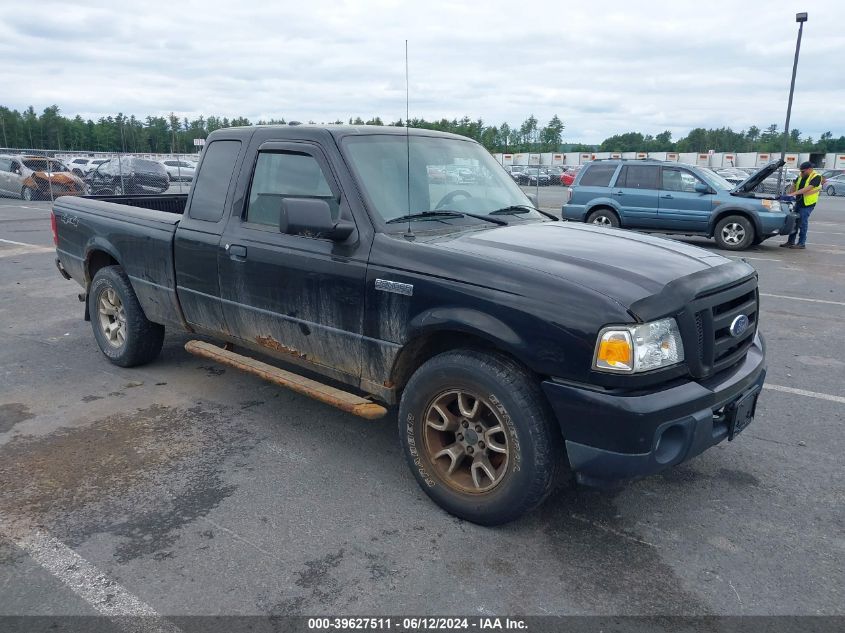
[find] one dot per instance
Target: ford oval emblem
(739, 325)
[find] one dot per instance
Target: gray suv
(666, 197)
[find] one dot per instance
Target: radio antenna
(409, 235)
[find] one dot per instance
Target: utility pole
(800, 18)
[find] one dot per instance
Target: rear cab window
(212, 183)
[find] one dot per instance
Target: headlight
(638, 348)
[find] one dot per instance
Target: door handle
(620, 193)
(668, 197)
(236, 251)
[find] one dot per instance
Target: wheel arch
(721, 214)
(426, 343)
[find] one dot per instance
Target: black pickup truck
(516, 346)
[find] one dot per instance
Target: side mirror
(700, 187)
(312, 217)
(533, 200)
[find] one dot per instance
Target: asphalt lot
(197, 490)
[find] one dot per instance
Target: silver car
(835, 185)
(179, 170)
(81, 165)
(37, 177)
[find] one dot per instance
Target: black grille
(709, 326)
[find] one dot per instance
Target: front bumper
(611, 436)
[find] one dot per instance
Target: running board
(343, 400)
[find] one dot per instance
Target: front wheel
(734, 233)
(831, 191)
(479, 437)
(124, 334)
(603, 217)
(27, 194)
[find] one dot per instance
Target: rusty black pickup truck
(405, 267)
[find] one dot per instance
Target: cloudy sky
(604, 67)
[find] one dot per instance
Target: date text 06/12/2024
(416, 623)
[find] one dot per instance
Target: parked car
(554, 172)
(830, 173)
(515, 170)
(178, 170)
(533, 176)
(81, 166)
(37, 178)
(732, 174)
(835, 185)
(514, 345)
(568, 176)
(436, 174)
(670, 198)
(128, 175)
(456, 174)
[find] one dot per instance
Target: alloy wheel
(466, 441)
(733, 233)
(112, 317)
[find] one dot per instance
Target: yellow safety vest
(809, 198)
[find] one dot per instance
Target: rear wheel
(734, 233)
(121, 329)
(603, 217)
(831, 191)
(27, 194)
(479, 437)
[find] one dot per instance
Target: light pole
(800, 18)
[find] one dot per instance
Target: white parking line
(759, 259)
(804, 392)
(22, 248)
(89, 583)
(835, 303)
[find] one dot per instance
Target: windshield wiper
(513, 209)
(445, 213)
(424, 215)
(518, 209)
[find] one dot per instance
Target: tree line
(170, 134)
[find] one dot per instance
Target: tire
(734, 233)
(830, 191)
(118, 190)
(27, 194)
(136, 340)
(603, 217)
(521, 469)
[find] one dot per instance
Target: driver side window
(280, 175)
(675, 179)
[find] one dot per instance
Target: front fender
(468, 320)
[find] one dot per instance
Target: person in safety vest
(806, 190)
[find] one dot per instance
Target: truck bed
(169, 203)
(134, 231)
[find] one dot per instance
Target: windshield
(714, 180)
(445, 175)
(39, 164)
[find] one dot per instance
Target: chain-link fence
(45, 175)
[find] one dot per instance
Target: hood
(756, 179)
(624, 266)
(59, 177)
